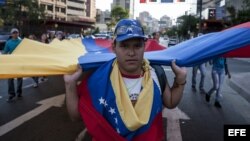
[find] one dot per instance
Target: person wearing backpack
(122, 99)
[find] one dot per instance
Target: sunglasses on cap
(131, 29)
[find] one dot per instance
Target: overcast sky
(157, 10)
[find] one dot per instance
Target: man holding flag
(122, 99)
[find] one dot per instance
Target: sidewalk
(243, 59)
(241, 84)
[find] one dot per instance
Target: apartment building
(69, 10)
(71, 16)
(55, 9)
(91, 8)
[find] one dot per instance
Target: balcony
(76, 5)
(59, 14)
(76, 12)
(47, 1)
(60, 4)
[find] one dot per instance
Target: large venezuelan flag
(143, 1)
(102, 117)
(233, 42)
(32, 58)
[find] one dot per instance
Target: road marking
(56, 101)
(173, 123)
(31, 85)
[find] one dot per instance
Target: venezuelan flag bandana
(108, 112)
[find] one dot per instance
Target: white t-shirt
(134, 84)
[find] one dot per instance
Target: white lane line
(56, 101)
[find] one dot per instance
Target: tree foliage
(15, 11)
(118, 13)
(173, 31)
(241, 16)
(187, 24)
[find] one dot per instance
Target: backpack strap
(160, 73)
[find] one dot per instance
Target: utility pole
(200, 5)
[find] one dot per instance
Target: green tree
(172, 31)
(118, 13)
(109, 25)
(233, 15)
(187, 25)
(145, 29)
(97, 30)
(241, 16)
(15, 12)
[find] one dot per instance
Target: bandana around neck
(137, 116)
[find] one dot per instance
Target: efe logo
(236, 132)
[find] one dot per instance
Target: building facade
(69, 15)
(165, 22)
(69, 10)
(151, 24)
(91, 9)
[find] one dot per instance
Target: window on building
(57, 9)
(50, 8)
(63, 10)
(75, 8)
(50, 17)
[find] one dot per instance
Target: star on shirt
(111, 110)
(118, 131)
(105, 103)
(116, 120)
(102, 101)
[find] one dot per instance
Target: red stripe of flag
(142, 1)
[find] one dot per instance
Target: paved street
(41, 114)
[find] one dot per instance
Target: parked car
(3, 39)
(172, 42)
(90, 36)
(72, 36)
(102, 36)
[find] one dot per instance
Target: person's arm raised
(173, 95)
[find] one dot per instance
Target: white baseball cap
(14, 30)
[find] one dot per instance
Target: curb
(242, 59)
(240, 90)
